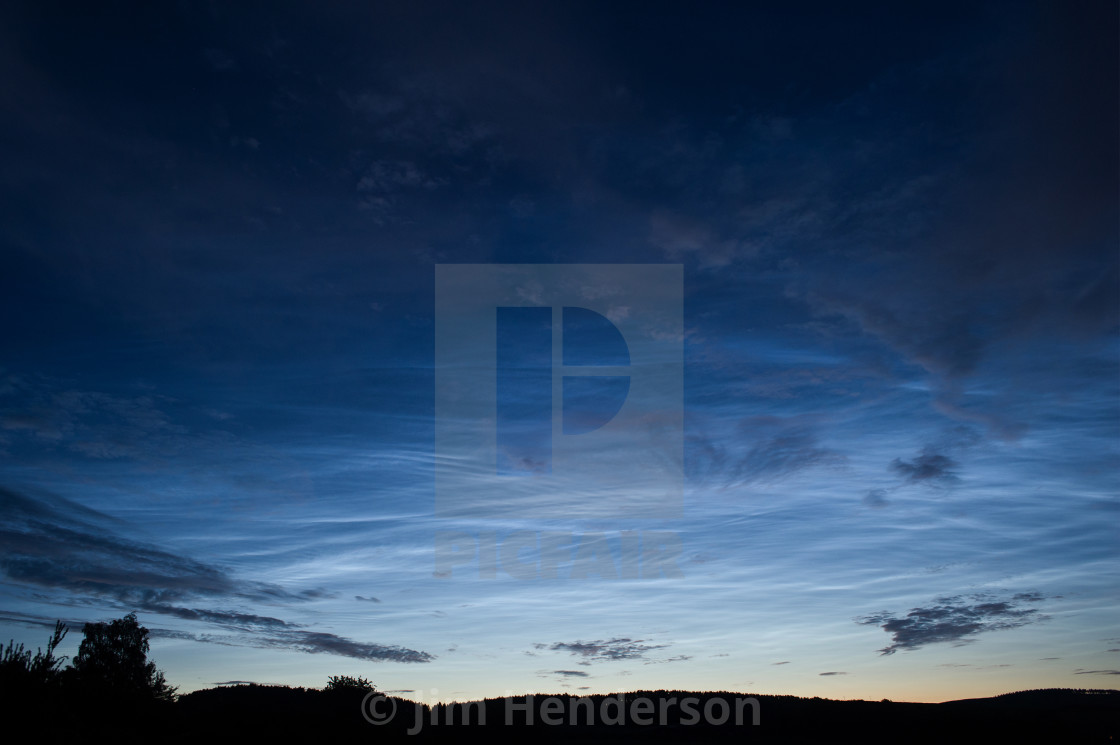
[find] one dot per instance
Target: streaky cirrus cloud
(52, 542)
(766, 450)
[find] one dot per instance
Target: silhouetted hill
(1044, 697)
(256, 713)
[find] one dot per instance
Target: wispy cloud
(52, 542)
(876, 498)
(608, 650)
(929, 467)
(934, 466)
(765, 450)
(954, 620)
(316, 642)
(245, 621)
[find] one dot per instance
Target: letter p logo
(558, 390)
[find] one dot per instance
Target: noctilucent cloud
(895, 452)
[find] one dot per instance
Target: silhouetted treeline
(110, 690)
(263, 712)
(112, 693)
(255, 713)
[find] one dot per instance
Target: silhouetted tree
(19, 669)
(113, 657)
(346, 683)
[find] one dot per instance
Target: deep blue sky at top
(251, 178)
(898, 226)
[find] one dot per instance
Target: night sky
(222, 226)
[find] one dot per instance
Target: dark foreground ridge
(113, 693)
(256, 713)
